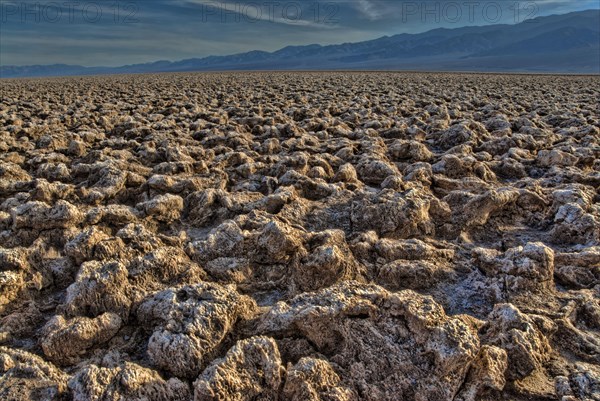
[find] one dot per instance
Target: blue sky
(118, 32)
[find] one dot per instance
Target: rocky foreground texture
(326, 236)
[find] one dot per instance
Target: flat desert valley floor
(300, 236)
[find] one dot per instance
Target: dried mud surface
(300, 236)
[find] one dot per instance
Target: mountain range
(567, 43)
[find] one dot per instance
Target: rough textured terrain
(300, 236)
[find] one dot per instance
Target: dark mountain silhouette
(568, 43)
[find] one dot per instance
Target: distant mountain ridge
(567, 43)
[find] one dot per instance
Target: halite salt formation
(300, 236)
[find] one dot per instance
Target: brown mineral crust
(189, 323)
(63, 340)
(128, 382)
(375, 338)
(300, 236)
(251, 369)
(25, 376)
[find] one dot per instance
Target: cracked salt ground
(300, 236)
